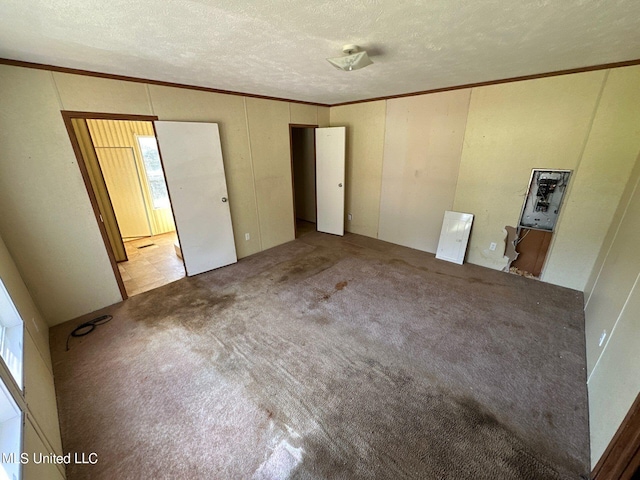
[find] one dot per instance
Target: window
(11, 331)
(10, 336)
(153, 169)
(10, 435)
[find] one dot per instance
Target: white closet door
(194, 172)
(330, 159)
(454, 236)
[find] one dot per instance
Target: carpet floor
(331, 357)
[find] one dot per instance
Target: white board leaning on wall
(454, 236)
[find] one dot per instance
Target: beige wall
(365, 124)
(614, 307)
(584, 122)
(42, 431)
(324, 119)
(47, 221)
(90, 94)
(609, 154)
(33, 443)
(268, 123)
(40, 394)
(511, 129)
(303, 114)
(228, 112)
(34, 323)
(422, 146)
(43, 196)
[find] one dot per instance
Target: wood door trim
(67, 117)
(622, 456)
(108, 116)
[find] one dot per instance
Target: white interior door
(454, 236)
(330, 158)
(123, 182)
(194, 172)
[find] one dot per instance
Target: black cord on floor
(87, 327)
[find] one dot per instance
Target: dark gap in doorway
(303, 163)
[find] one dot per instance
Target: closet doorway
(303, 168)
(318, 157)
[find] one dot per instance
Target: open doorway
(129, 159)
(125, 176)
(303, 168)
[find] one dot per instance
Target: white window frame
(146, 174)
(12, 391)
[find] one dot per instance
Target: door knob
(224, 199)
(340, 185)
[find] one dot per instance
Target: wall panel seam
(464, 137)
(253, 173)
(46, 364)
(148, 90)
(576, 169)
(43, 438)
(613, 240)
(384, 139)
(615, 326)
(55, 88)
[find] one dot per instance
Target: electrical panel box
(544, 197)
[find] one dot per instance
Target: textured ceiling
(278, 48)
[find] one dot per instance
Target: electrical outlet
(247, 236)
(493, 246)
(602, 337)
(349, 217)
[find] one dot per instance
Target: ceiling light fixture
(354, 60)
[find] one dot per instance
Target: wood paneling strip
(99, 188)
(122, 134)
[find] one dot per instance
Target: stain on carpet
(321, 320)
(181, 304)
(407, 372)
(440, 437)
(480, 281)
(306, 266)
